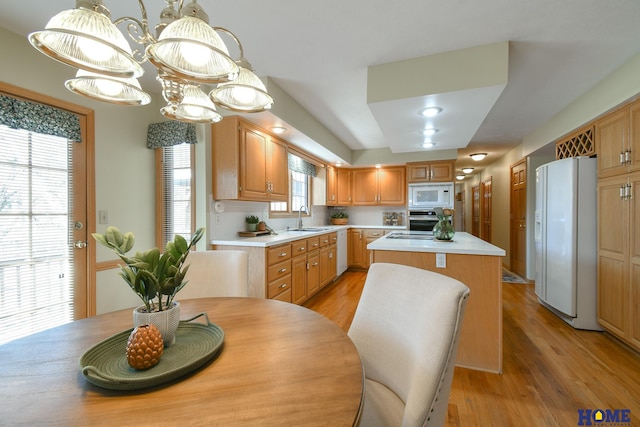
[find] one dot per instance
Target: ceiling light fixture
(431, 111)
(278, 129)
(429, 131)
(478, 156)
(338, 164)
(378, 165)
(186, 51)
(460, 177)
(428, 144)
(467, 170)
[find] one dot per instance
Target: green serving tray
(105, 364)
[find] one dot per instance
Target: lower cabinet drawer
(284, 296)
(278, 286)
(278, 270)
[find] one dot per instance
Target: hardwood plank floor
(551, 371)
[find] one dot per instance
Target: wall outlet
(441, 260)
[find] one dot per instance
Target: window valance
(297, 164)
(166, 134)
(35, 117)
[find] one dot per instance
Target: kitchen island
(475, 263)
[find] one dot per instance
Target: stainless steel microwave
(431, 195)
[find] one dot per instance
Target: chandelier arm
(233, 36)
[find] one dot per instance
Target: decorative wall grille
(578, 144)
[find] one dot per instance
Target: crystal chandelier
(187, 52)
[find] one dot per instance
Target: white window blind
(36, 283)
(177, 183)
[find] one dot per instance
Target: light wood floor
(550, 369)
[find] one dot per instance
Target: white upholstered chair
(219, 273)
(406, 329)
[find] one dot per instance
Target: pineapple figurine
(144, 347)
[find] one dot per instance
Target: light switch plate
(441, 260)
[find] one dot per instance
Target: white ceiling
(322, 53)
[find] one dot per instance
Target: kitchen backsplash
(229, 217)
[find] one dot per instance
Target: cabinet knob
(282, 254)
(282, 270)
(284, 285)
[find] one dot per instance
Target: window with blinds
(177, 192)
(36, 283)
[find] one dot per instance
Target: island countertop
(463, 243)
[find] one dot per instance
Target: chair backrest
(218, 273)
(406, 329)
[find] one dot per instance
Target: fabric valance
(297, 164)
(39, 118)
(166, 134)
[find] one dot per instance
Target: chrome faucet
(306, 209)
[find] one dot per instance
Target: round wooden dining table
(280, 365)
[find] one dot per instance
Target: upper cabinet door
(365, 186)
(612, 140)
(392, 186)
(430, 171)
(277, 171)
(343, 187)
(332, 186)
(254, 155)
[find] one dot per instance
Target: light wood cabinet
(343, 184)
(384, 186)
(619, 257)
(279, 272)
(618, 141)
(358, 239)
(354, 252)
(332, 186)
(338, 186)
(247, 162)
(306, 269)
(441, 171)
(328, 260)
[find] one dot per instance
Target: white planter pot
(166, 321)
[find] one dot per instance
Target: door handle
(79, 244)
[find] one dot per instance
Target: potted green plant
(339, 218)
(155, 277)
(252, 222)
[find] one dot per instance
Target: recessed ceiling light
(278, 129)
(378, 165)
(431, 111)
(467, 170)
(429, 131)
(478, 156)
(428, 144)
(338, 164)
(460, 177)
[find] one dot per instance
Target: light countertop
(463, 243)
(285, 236)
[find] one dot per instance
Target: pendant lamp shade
(245, 94)
(190, 49)
(195, 107)
(87, 39)
(106, 88)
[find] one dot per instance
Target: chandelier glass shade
(194, 107)
(245, 94)
(116, 90)
(186, 51)
(87, 39)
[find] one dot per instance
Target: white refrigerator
(565, 240)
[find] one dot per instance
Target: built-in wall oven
(422, 220)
